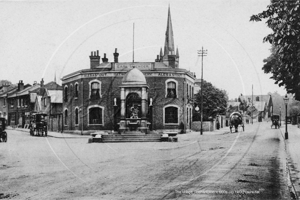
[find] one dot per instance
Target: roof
(56, 96)
(259, 105)
(11, 89)
(233, 104)
(53, 86)
(265, 98)
(134, 77)
(27, 90)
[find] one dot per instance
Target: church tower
(169, 57)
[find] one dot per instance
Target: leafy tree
(294, 108)
(284, 62)
(214, 102)
(5, 82)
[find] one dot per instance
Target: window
(95, 89)
(171, 89)
(66, 117)
(95, 115)
(187, 90)
(171, 115)
(257, 98)
(192, 92)
(76, 90)
(187, 115)
(71, 90)
(76, 116)
(4, 102)
(45, 103)
(11, 102)
(66, 94)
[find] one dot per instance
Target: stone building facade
(124, 96)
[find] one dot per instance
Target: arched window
(95, 89)
(76, 116)
(66, 94)
(257, 98)
(171, 115)
(76, 90)
(66, 117)
(95, 115)
(171, 88)
(71, 91)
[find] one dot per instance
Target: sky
(48, 39)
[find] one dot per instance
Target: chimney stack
(42, 82)
(157, 59)
(105, 60)
(116, 56)
(20, 85)
(95, 59)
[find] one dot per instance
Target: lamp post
(197, 110)
(286, 100)
(202, 53)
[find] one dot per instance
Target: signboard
(128, 66)
(118, 74)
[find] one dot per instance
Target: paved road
(218, 165)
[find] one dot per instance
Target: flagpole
(133, 45)
(252, 106)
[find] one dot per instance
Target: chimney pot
(116, 56)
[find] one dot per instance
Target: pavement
(54, 134)
(292, 147)
(189, 135)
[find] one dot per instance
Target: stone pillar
(144, 126)
(122, 125)
(144, 103)
(122, 103)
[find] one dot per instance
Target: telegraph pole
(202, 53)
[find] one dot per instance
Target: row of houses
(18, 102)
(258, 107)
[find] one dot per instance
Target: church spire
(169, 41)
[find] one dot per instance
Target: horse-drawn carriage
(3, 134)
(275, 121)
(38, 124)
(236, 120)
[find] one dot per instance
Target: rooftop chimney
(20, 85)
(105, 60)
(42, 82)
(116, 56)
(95, 59)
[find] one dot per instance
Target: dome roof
(134, 77)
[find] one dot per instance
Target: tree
(214, 101)
(284, 62)
(5, 82)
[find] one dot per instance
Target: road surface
(217, 165)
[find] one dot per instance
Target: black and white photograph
(149, 100)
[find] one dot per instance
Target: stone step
(133, 133)
(131, 138)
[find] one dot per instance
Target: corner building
(130, 96)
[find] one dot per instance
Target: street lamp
(286, 100)
(197, 110)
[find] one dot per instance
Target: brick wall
(110, 89)
(207, 126)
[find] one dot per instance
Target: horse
(235, 120)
